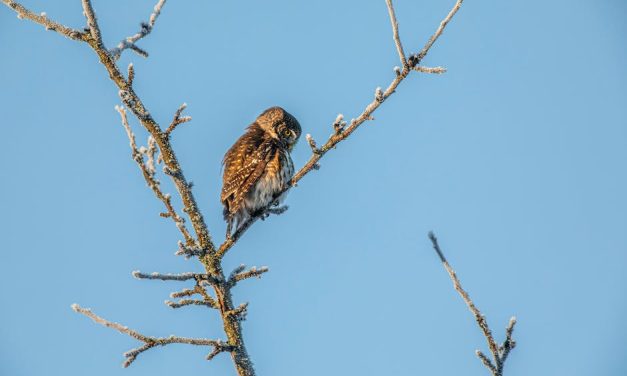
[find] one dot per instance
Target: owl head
(281, 125)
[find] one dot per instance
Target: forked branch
(146, 28)
(150, 342)
(200, 243)
(499, 352)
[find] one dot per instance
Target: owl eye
(286, 133)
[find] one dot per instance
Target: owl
(258, 166)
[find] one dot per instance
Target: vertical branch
(92, 22)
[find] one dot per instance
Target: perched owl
(258, 166)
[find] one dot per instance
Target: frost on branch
(499, 352)
(159, 148)
(150, 342)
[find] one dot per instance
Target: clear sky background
(515, 158)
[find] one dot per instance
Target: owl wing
(241, 175)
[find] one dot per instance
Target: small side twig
(238, 274)
(499, 353)
(239, 312)
(187, 302)
(169, 277)
(150, 342)
(148, 171)
(178, 119)
(432, 70)
(146, 28)
(189, 251)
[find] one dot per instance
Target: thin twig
(189, 251)
(149, 342)
(239, 274)
(397, 39)
(499, 353)
(187, 302)
(148, 171)
(146, 28)
(178, 119)
(486, 361)
(183, 293)
(439, 31)
(168, 277)
(433, 70)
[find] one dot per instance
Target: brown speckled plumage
(258, 166)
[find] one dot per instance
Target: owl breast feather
(275, 178)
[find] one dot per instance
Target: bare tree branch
(341, 132)
(397, 39)
(43, 20)
(150, 342)
(434, 70)
(499, 353)
(92, 22)
(178, 119)
(438, 32)
(189, 251)
(169, 277)
(146, 28)
(183, 293)
(202, 245)
(187, 302)
(148, 171)
(239, 274)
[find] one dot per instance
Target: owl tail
(229, 228)
(228, 217)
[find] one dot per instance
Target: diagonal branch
(150, 342)
(146, 28)
(43, 20)
(178, 119)
(439, 31)
(341, 132)
(499, 353)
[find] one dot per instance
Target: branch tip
(145, 29)
(312, 143)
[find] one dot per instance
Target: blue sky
(515, 158)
